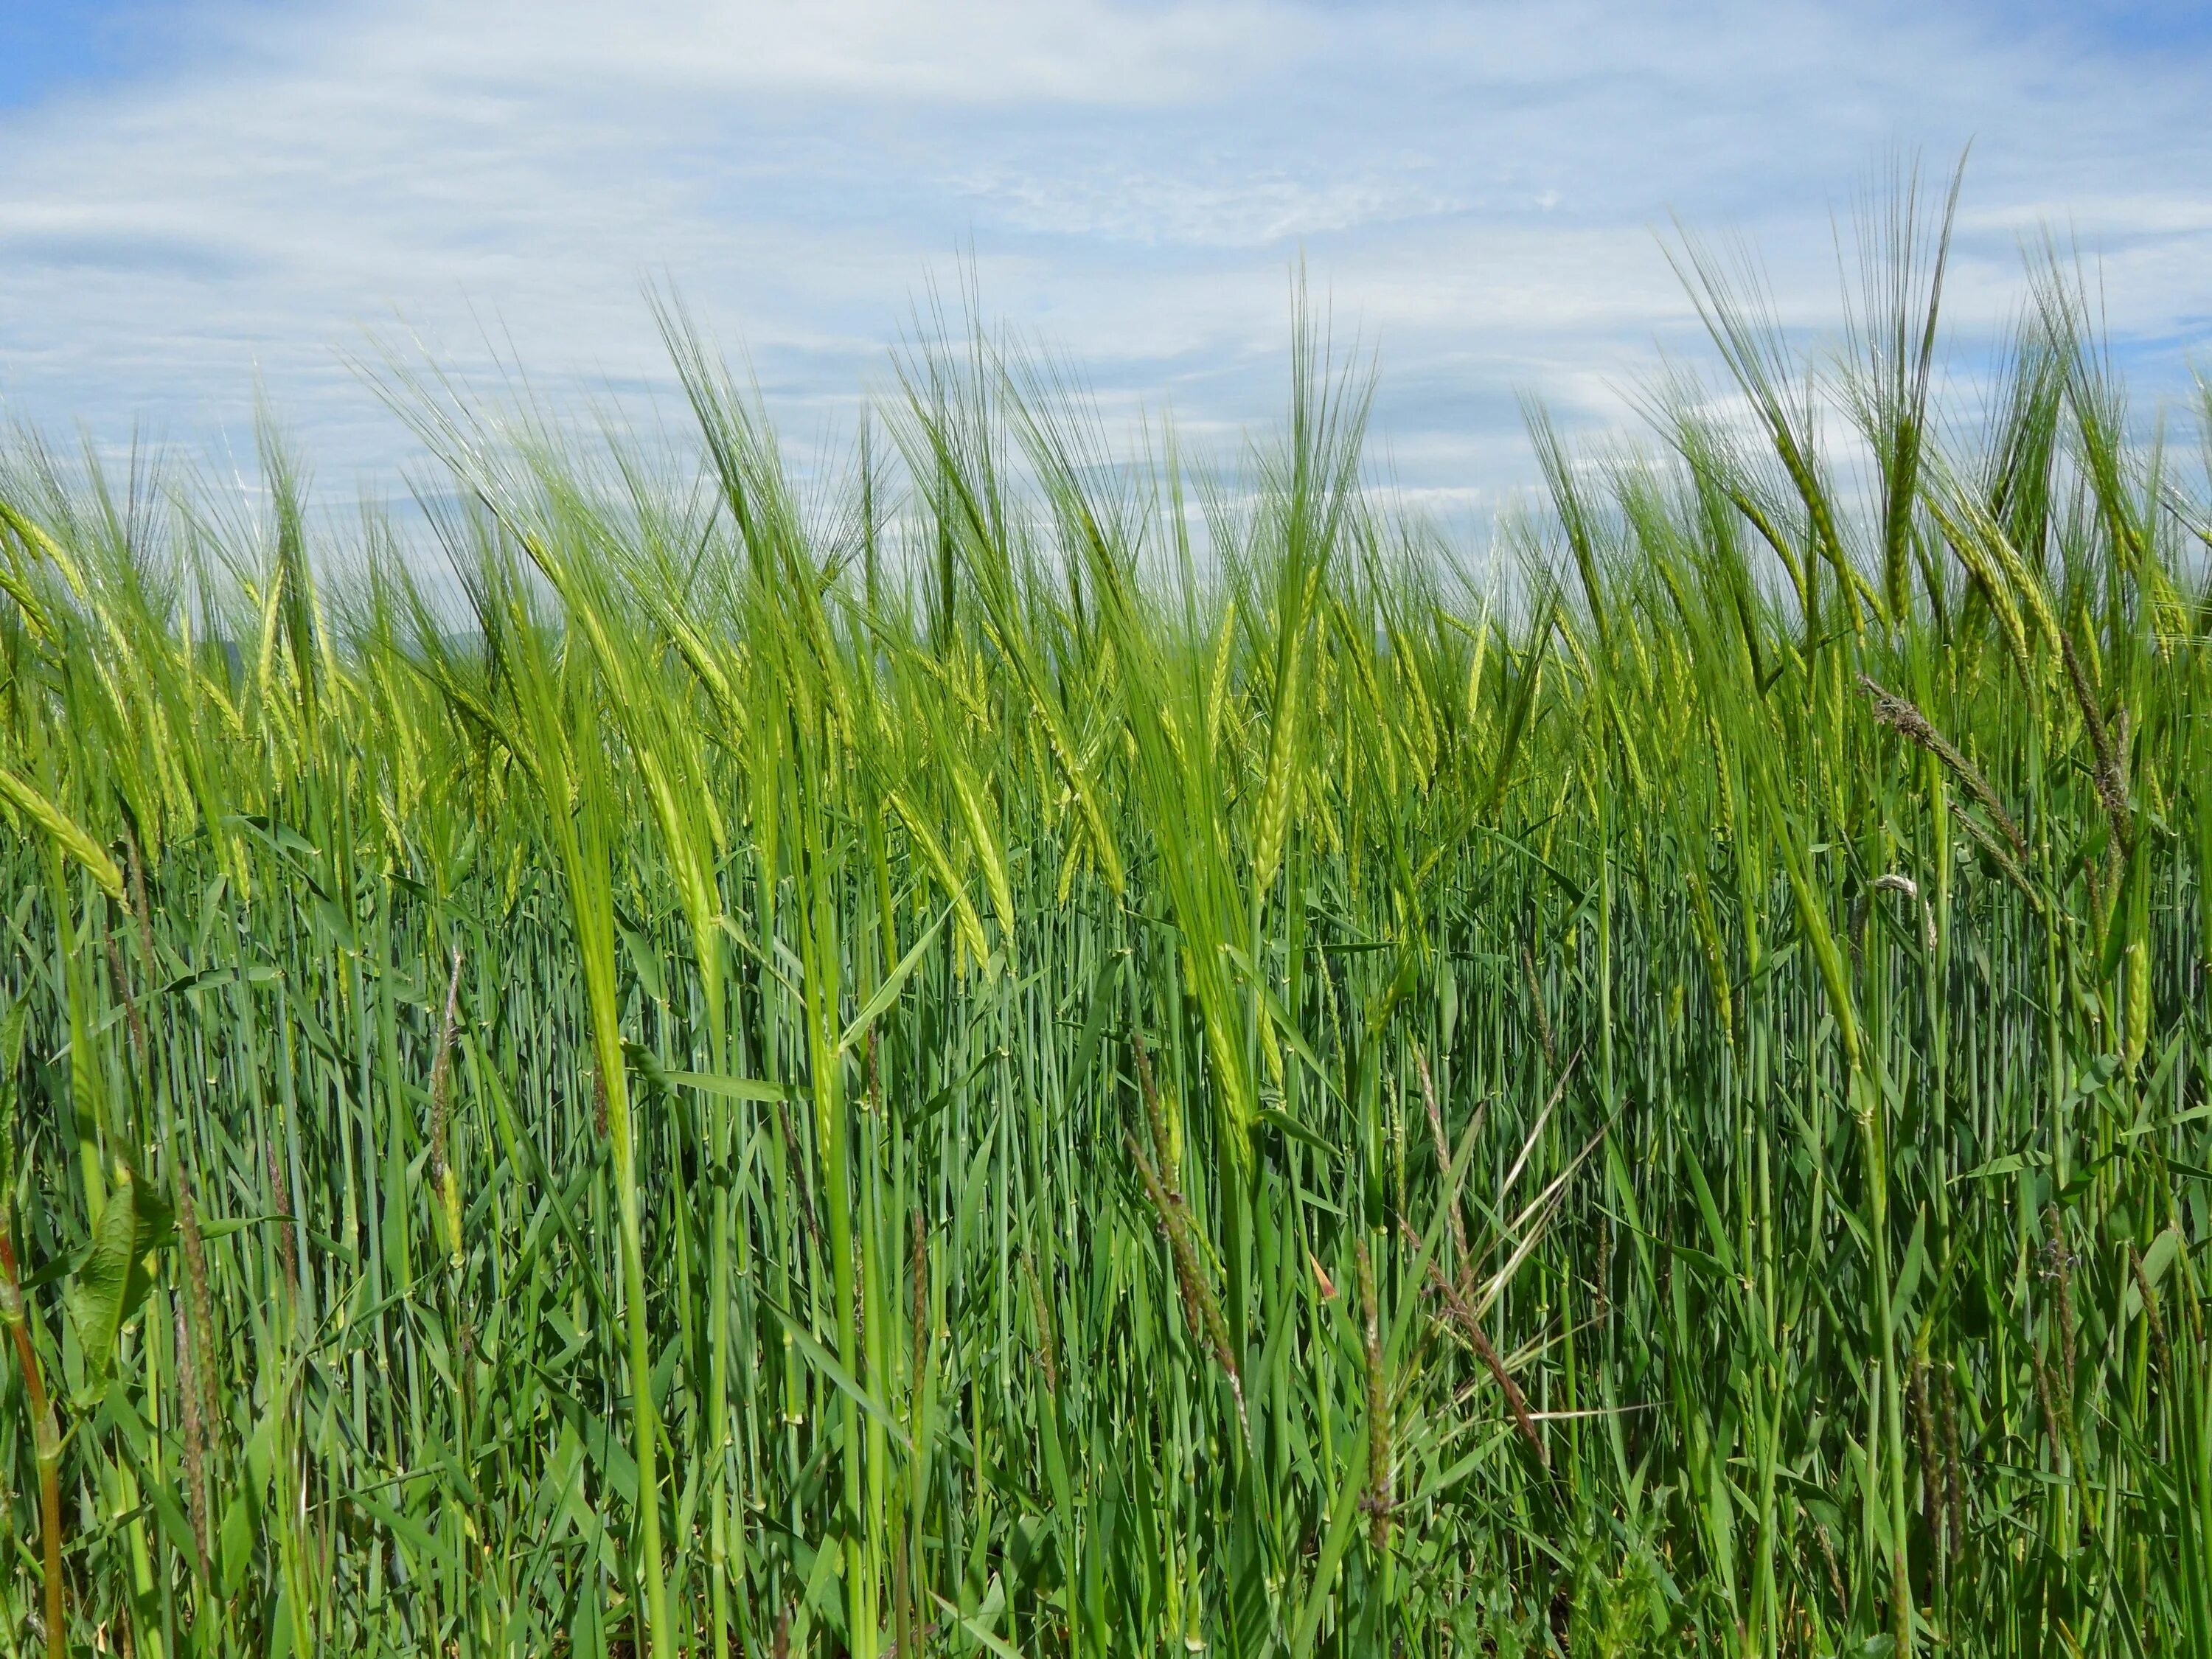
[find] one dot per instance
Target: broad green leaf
(96, 1290)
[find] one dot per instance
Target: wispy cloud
(1474, 188)
(1214, 205)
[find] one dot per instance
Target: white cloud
(1218, 207)
(1474, 188)
(964, 51)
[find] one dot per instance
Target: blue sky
(43, 48)
(200, 196)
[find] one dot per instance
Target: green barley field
(995, 1049)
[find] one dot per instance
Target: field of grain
(1014, 1051)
